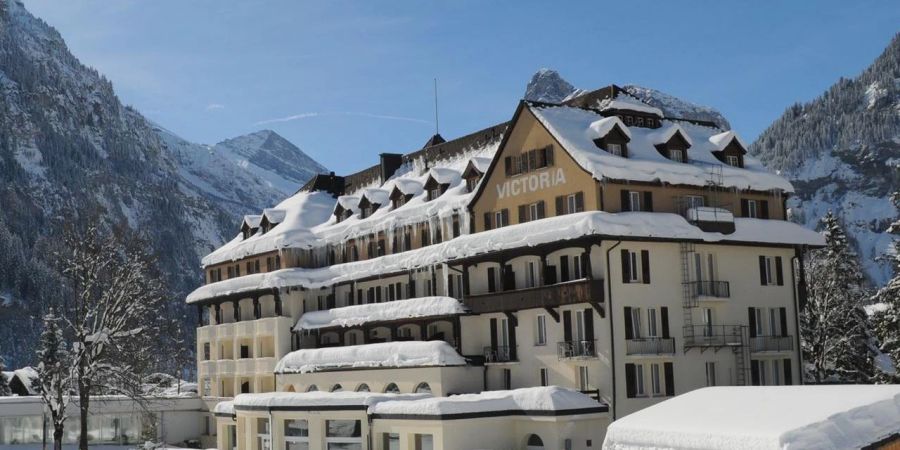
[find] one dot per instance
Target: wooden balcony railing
(550, 296)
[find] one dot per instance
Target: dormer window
(733, 160)
(677, 155)
(730, 148)
(629, 120)
(615, 149)
(639, 121)
(434, 189)
(611, 135)
(434, 193)
(672, 143)
(471, 182)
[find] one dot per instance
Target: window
(707, 315)
(390, 441)
(529, 161)
(423, 442)
(776, 372)
(651, 322)
(677, 155)
(471, 182)
(635, 266)
(760, 372)
(752, 210)
(577, 267)
(423, 388)
(507, 379)
(363, 388)
(343, 435)
(337, 388)
(391, 388)
(583, 380)
(639, 380)
(710, 373)
(655, 385)
(530, 276)
(206, 351)
(634, 201)
(733, 160)
(434, 192)
(639, 121)
(545, 376)
(770, 271)
(501, 218)
(636, 323)
(615, 149)
(207, 387)
(570, 203)
(264, 436)
(541, 330)
(296, 434)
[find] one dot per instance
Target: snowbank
(349, 316)
(575, 129)
(386, 354)
(770, 417)
(535, 399)
(529, 234)
(318, 398)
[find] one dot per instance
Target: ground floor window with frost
(263, 436)
(296, 434)
(343, 435)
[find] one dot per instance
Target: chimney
(390, 162)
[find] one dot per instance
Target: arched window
(534, 442)
(363, 388)
(423, 388)
(392, 388)
(312, 388)
(290, 388)
(337, 388)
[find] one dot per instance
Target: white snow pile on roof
(252, 220)
(319, 398)
(296, 216)
(224, 407)
(763, 417)
(28, 376)
(663, 134)
(721, 140)
(627, 102)
(550, 398)
(572, 128)
(529, 234)
(600, 128)
(376, 196)
(349, 316)
(385, 354)
(481, 163)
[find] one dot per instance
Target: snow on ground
(572, 127)
(349, 316)
(550, 398)
(385, 354)
(763, 417)
(553, 229)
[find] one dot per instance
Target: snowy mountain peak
(548, 85)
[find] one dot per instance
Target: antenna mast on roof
(435, 108)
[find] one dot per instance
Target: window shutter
(494, 334)
(648, 202)
(523, 213)
(745, 208)
(754, 372)
(589, 326)
(492, 279)
(645, 266)
(752, 318)
(779, 277)
(579, 202)
(784, 329)
(560, 205)
(629, 327)
(509, 278)
(626, 205)
(508, 164)
(505, 214)
(541, 210)
(764, 209)
(630, 382)
(670, 379)
(549, 275)
(664, 317)
(567, 326)
(788, 376)
(487, 221)
(762, 271)
(564, 268)
(512, 341)
(549, 154)
(626, 267)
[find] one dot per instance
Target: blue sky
(347, 80)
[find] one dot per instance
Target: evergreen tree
(4, 382)
(886, 310)
(837, 343)
(54, 375)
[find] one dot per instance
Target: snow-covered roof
(600, 128)
(27, 375)
(252, 220)
(536, 400)
(385, 354)
(553, 229)
(444, 175)
(764, 417)
(663, 134)
(574, 129)
(481, 163)
(376, 196)
(355, 315)
(407, 186)
(627, 102)
(721, 140)
(274, 215)
(226, 407)
(282, 400)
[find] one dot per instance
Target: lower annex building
(574, 265)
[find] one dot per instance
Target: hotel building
(596, 245)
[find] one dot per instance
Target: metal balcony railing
(713, 336)
(577, 349)
(497, 354)
(650, 346)
(719, 289)
(771, 344)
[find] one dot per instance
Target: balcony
(550, 296)
(714, 336)
(714, 289)
(206, 333)
(225, 366)
(708, 218)
(246, 366)
(650, 346)
(497, 355)
(245, 328)
(576, 349)
(771, 344)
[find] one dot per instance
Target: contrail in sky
(340, 113)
